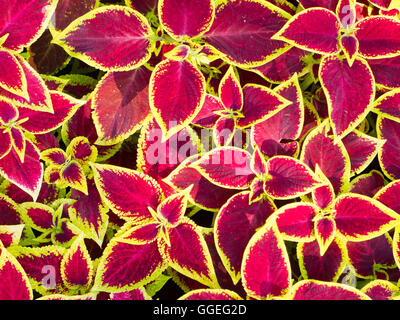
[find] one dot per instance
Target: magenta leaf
(315, 30)
(266, 269)
(361, 218)
(73, 175)
(349, 91)
(140, 233)
(224, 131)
(38, 216)
(39, 262)
(13, 79)
(38, 122)
(177, 92)
(325, 232)
(260, 103)
(286, 125)
(256, 190)
(48, 193)
(64, 235)
(347, 13)
(118, 47)
(10, 235)
(80, 150)
(226, 167)
(368, 184)
(258, 164)
(284, 66)
(350, 46)
(378, 37)
(18, 142)
(236, 223)
(211, 294)
(126, 192)
(188, 254)
(207, 117)
(325, 268)
(380, 289)
(142, 6)
(89, 214)
(320, 149)
(69, 10)
(321, 290)
(81, 124)
(249, 24)
(24, 21)
(173, 208)
(289, 178)
(384, 4)
(230, 91)
(14, 283)
(328, 4)
(388, 155)
(135, 294)
(323, 196)
(128, 265)
(361, 149)
(204, 193)
(295, 221)
(28, 175)
(388, 105)
(385, 71)
(37, 96)
(190, 18)
(388, 194)
(76, 266)
(121, 104)
(365, 256)
(158, 158)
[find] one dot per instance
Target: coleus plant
(237, 107)
(344, 44)
(234, 149)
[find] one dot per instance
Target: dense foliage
(199, 149)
